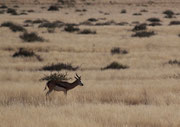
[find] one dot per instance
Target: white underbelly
(57, 88)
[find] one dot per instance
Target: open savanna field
(88, 36)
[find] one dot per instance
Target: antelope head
(78, 80)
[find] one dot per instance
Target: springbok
(62, 86)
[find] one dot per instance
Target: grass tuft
(144, 34)
(12, 11)
(52, 24)
(53, 8)
(31, 37)
(174, 23)
(153, 19)
(140, 27)
(117, 50)
(115, 65)
(87, 31)
(71, 28)
(174, 62)
(169, 14)
(24, 52)
(14, 27)
(59, 67)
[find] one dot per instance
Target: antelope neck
(74, 84)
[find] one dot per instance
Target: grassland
(147, 94)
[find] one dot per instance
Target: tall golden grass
(145, 95)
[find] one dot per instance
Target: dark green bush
(87, 31)
(144, 34)
(92, 19)
(122, 23)
(14, 27)
(3, 7)
(52, 24)
(115, 65)
(155, 24)
(117, 50)
(12, 11)
(112, 22)
(144, 10)
(31, 37)
(174, 23)
(24, 52)
(53, 8)
(59, 66)
(169, 14)
(37, 21)
(137, 14)
(153, 20)
(140, 27)
(174, 62)
(71, 28)
(123, 11)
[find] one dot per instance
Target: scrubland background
(147, 94)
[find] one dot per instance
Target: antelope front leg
(65, 92)
(47, 94)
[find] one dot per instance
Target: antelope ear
(75, 77)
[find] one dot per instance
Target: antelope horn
(77, 75)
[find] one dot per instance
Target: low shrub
(144, 10)
(122, 23)
(31, 37)
(24, 52)
(53, 8)
(37, 21)
(59, 66)
(123, 11)
(174, 62)
(3, 7)
(52, 24)
(140, 27)
(117, 50)
(153, 20)
(86, 23)
(174, 23)
(137, 14)
(11, 11)
(144, 34)
(92, 20)
(115, 65)
(71, 28)
(14, 27)
(169, 14)
(112, 22)
(87, 31)
(30, 11)
(155, 24)
(28, 21)
(16, 6)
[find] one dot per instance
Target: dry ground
(147, 94)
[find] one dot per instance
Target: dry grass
(147, 94)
